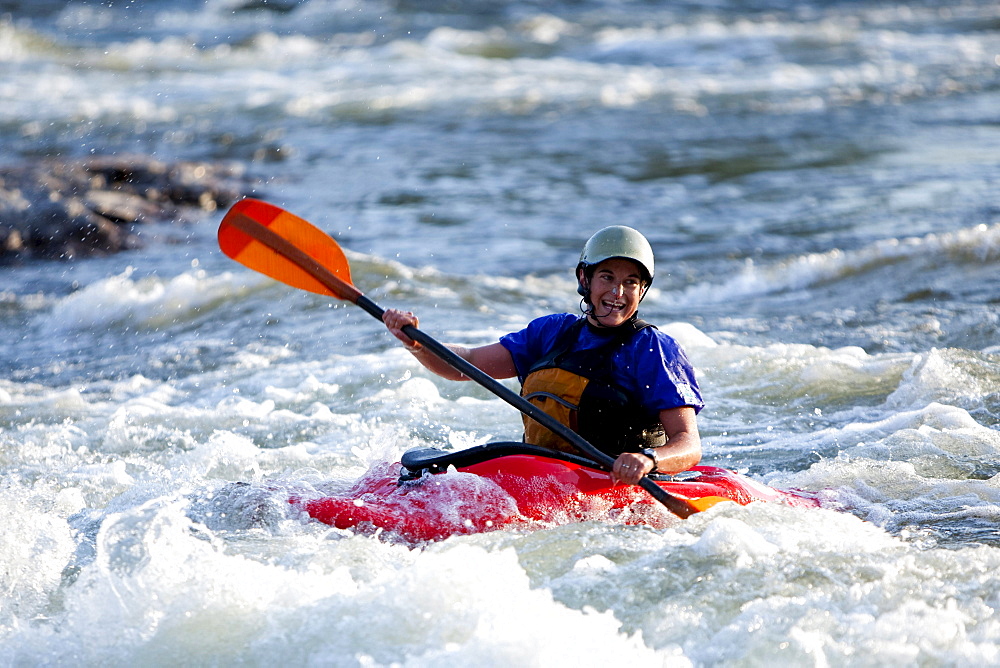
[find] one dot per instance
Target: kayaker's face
(616, 289)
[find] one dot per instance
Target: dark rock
(70, 209)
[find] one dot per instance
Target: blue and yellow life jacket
(577, 388)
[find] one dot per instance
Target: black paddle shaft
(673, 504)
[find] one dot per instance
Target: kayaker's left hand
(630, 467)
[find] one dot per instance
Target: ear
(582, 284)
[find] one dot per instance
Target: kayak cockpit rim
(418, 461)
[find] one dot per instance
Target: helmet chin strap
(583, 287)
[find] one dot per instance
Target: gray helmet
(619, 241)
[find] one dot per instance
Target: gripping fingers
(630, 467)
(395, 320)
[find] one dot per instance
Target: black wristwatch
(651, 453)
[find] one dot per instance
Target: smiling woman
(614, 379)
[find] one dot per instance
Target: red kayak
(432, 494)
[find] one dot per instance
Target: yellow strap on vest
(557, 392)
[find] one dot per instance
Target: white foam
(980, 245)
(945, 376)
(813, 612)
(146, 303)
(35, 545)
(688, 336)
(441, 609)
(171, 592)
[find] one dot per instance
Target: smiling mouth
(614, 306)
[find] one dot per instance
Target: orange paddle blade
(251, 251)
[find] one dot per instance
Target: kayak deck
(432, 494)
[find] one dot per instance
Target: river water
(818, 179)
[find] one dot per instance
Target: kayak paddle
(287, 248)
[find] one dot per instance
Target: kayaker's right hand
(630, 467)
(395, 320)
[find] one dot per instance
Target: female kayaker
(623, 385)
